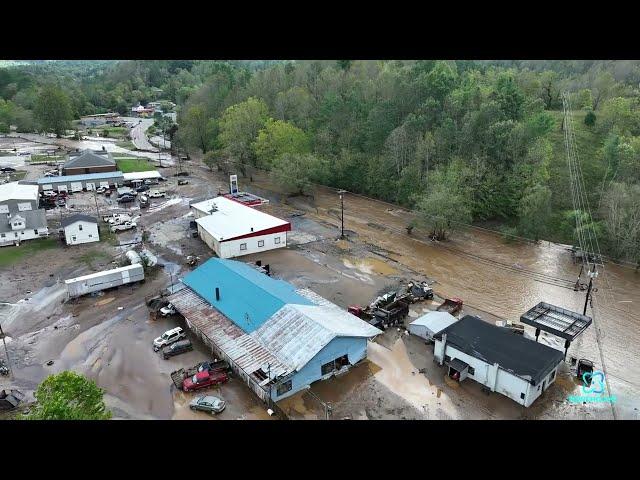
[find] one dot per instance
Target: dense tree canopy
(401, 131)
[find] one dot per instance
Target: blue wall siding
(354, 347)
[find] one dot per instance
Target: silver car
(208, 404)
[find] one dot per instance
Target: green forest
(462, 142)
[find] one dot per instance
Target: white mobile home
(80, 229)
(232, 229)
(95, 282)
(505, 362)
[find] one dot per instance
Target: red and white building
(232, 229)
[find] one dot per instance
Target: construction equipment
(450, 305)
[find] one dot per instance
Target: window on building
(328, 367)
(538, 387)
(80, 227)
(90, 235)
(261, 243)
(471, 370)
(522, 396)
(276, 240)
(243, 246)
(2, 235)
(73, 238)
(284, 387)
(35, 231)
(552, 376)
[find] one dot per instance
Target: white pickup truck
(117, 218)
(156, 193)
(122, 226)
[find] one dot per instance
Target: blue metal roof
(247, 297)
(79, 178)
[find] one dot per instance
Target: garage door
(104, 184)
(47, 187)
(90, 186)
(62, 188)
(76, 186)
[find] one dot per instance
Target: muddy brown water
(502, 279)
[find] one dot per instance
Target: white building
(431, 323)
(504, 362)
(20, 218)
(80, 229)
(232, 229)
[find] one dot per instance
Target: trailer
(178, 376)
(95, 282)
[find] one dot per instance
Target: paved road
(93, 145)
(139, 133)
(160, 142)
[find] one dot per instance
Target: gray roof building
(34, 219)
(76, 218)
(88, 159)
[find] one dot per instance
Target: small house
(497, 358)
(80, 229)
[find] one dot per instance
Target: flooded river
(504, 279)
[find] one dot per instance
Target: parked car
(157, 193)
(61, 202)
(7, 169)
(150, 181)
(168, 338)
(203, 380)
(209, 404)
(126, 198)
(50, 174)
(49, 193)
(101, 190)
(176, 348)
(167, 310)
(142, 188)
(183, 182)
(120, 227)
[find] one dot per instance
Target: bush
(4, 128)
(590, 118)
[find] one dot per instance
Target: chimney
(217, 294)
(252, 229)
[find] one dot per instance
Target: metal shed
(430, 324)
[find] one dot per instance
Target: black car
(7, 169)
(142, 188)
(126, 199)
(177, 348)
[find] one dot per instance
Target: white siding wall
(234, 248)
(495, 378)
(21, 235)
(74, 235)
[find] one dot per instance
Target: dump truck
(214, 366)
(385, 311)
(95, 282)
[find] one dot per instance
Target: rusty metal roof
(291, 337)
(243, 349)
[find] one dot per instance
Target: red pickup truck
(203, 380)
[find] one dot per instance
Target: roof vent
(252, 229)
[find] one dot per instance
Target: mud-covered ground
(108, 337)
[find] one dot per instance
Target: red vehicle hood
(187, 383)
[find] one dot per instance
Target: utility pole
(95, 199)
(6, 351)
(592, 275)
(341, 193)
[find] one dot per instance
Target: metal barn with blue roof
(278, 339)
